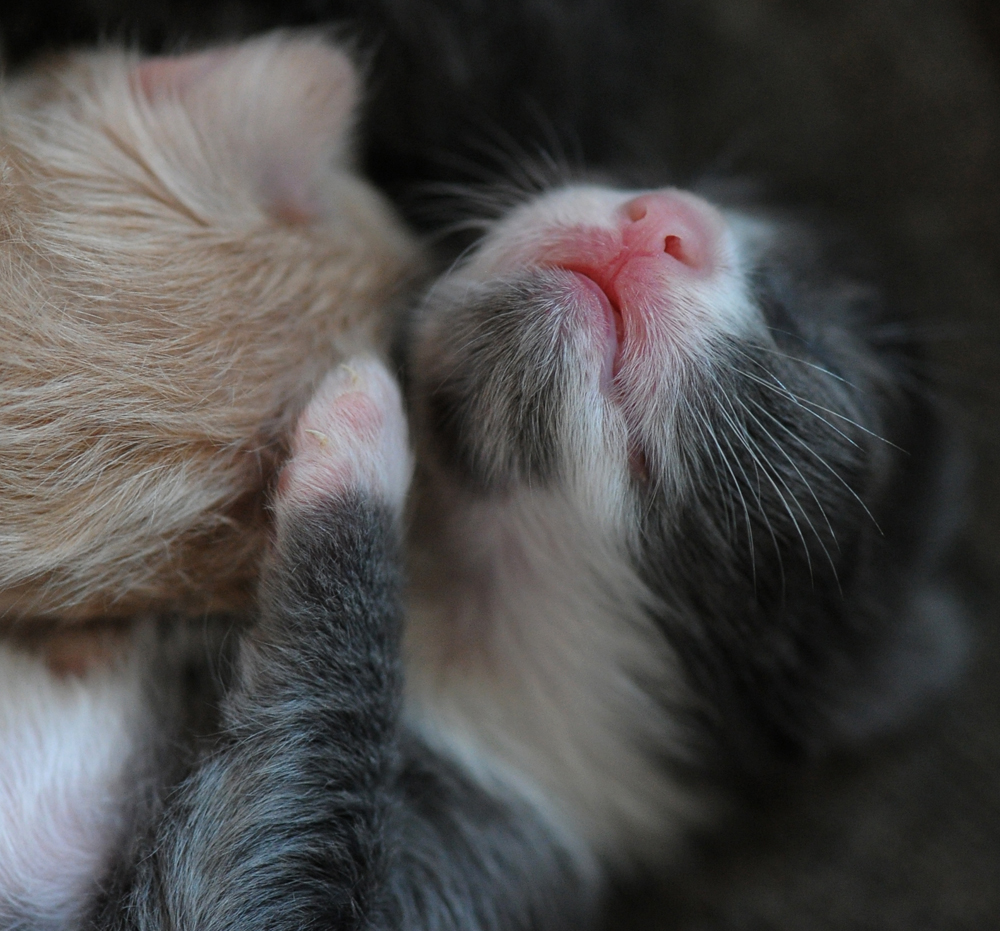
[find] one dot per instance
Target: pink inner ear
(287, 193)
(272, 112)
(175, 75)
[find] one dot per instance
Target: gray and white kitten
(680, 506)
(681, 514)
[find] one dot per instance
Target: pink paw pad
(351, 438)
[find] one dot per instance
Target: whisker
(746, 509)
(792, 495)
(514, 161)
(805, 482)
(798, 399)
(756, 453)
(799, 402)
(703, 424)
(825, 464)
(813, 365)
(555, 148)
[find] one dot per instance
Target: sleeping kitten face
(628, 346)
(663, 455)
(186, 251)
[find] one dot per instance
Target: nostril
(673, 246)
(636, 211)
(669, 222)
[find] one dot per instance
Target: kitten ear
(274, 112)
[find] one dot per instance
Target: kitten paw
(351, 439)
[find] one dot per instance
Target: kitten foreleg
(314, 810)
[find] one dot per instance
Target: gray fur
(311, 810)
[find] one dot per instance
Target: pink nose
(671, 223)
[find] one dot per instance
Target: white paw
(351, 438)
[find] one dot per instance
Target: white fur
(531, 651)
(679, 318)
(531, 657)
(716, 302)
(65, 750)
(351, 437)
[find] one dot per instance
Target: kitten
(663, 537)
(186, 252)
(681, 508)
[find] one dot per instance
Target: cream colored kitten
(185, 250)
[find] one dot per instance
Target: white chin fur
(532, 658)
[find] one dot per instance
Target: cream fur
(184, 253)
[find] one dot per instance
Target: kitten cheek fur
(155, 355)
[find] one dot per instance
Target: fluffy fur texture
(662, 534)
(623, 589)
(185, 252)
(64, 785)
(84, 758)
(313, 810)
(701, 553)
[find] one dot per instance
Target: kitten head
(186, 251)
(710, 393)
